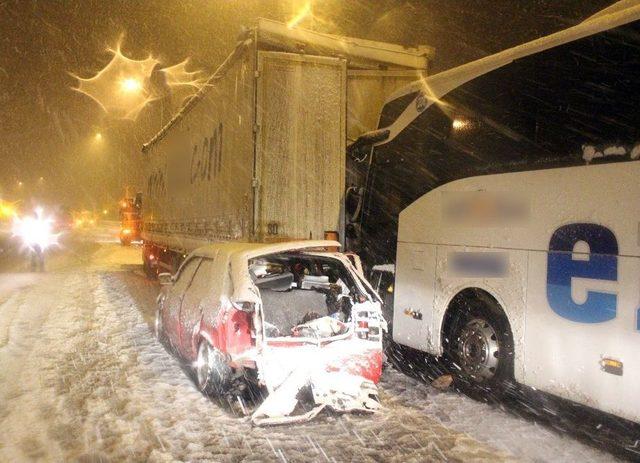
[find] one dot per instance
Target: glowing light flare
(178, 76)
(130, 85)
(460, 123)
(125, 86)
(304, 12)
(36, 230)
(7, 210)
(118, 87)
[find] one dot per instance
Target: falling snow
(84, 378)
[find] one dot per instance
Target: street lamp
(130, 85)
(98, 136)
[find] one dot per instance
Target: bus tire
(480, 343)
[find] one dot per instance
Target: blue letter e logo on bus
(600, 264)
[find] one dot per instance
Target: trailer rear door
(300, 145)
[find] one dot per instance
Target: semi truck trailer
(258, 154)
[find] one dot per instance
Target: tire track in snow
(38, 332)
(166, 418)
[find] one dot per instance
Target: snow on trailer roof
(436, 86)
(279, 34)
(361, 52)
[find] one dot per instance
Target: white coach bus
(518, 241)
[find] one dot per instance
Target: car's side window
(218, 285)
(186, 275)
(201, 283)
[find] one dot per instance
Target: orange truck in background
(130, 219)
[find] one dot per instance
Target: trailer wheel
(212, 370)
(479, 342)
(149, 270)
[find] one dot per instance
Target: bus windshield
(571, 105)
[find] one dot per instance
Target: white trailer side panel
(300, 162)
(199, 175)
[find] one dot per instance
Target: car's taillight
(362, 328)
(368, 325)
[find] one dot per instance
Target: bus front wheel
(480, 343)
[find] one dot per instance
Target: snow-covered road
(83, 378)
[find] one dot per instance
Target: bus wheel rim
(478, 349)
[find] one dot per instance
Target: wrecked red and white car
(288, 316)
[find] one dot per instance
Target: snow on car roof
(434, 87)
(245, 250)
(236, 254)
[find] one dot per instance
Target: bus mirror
(366, 141)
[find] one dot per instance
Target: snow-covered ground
(83, 378)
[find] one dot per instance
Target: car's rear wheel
(212, 370)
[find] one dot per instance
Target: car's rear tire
(159, 327)
(480, 344)
(213, 372)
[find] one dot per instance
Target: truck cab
(130, 220)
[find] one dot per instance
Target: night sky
(46, 128)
